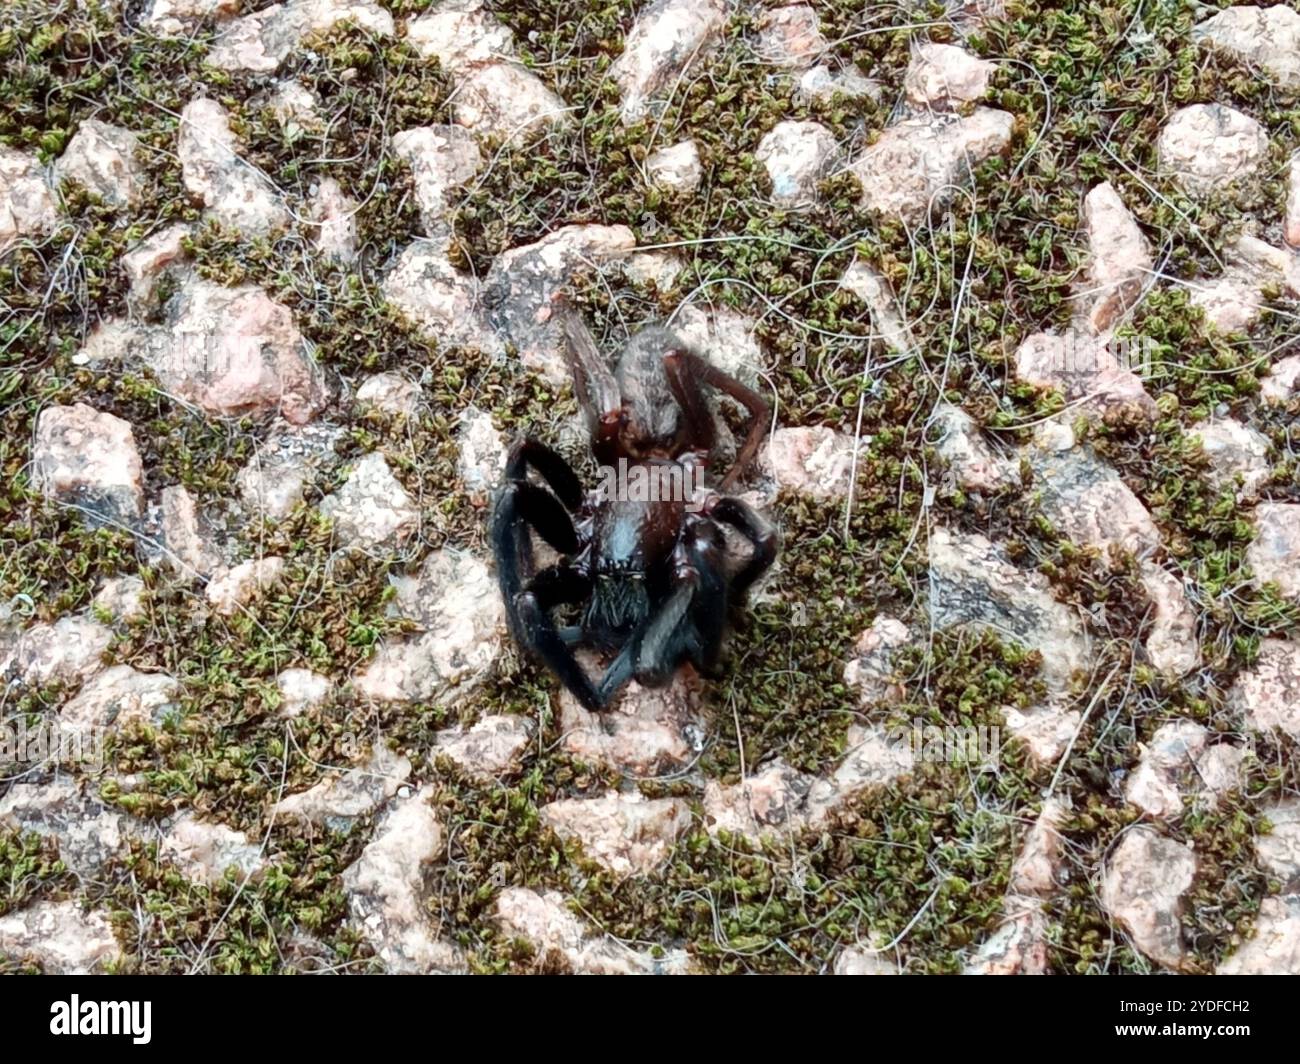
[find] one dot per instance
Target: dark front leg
(531, 617)
(760, 533)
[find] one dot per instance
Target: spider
(653, 575)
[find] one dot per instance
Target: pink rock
(917, 163)
(1238, 455)
(1275, 947)
(261, 41)
(234, 351)
(390, 393)
(1142, 889)
(148, 261)
(459, 34)
(945, 76)
(343, 795)
(482, 456)
(86, 458)
(796, 156)
(1018, 946)
(1281, 381)
(505, 100)
(65, 652)
(1181, 762)
(666, 39)
(235, 194)
(676, 168)
(442, 158)
(441, 302)
(1274, 555)
(203, 850)
(877, 293)
(1037, 868)
(301, 690)
(1231, 303)
(648, 732)
(188, 549)
(1269, 694)
(1121, 260)
(27, 207)
(491, 749)
(972, 461)
(1279, 850)
(790, 36)
(334, 214)
(176, 18)
(1207, 146)
(1292, 222)
(871, 668)
(1267, 38)
(855, 961)
(118, 696)
(628, 834)
(372, 508)
(88, 832)
(556, 934)
(1171, 645)
(1086, 371)
(814, 461)
(229, 589)
(60, 937)
(102, 159)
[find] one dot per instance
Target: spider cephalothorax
(650, 569)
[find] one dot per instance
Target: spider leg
(692, 369)
(755, 528)
(700, 430)
(531, 612)
(594, 385)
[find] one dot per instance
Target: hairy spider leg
(760, 533)
(554, 586)
(686, 370)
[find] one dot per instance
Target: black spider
(655, 576)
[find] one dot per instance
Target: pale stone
(505, 100)
(945, 76)
(1171, 645)
(147, 262)
(878, 295)
(118, 696)
(88, 459)
(796, 156)
(1274, 554)
(372, 508)
(27, 206)
(186, 546)
(1208, 146)
(790, 37)
(1142, 889)
(235, 194)
(491, 749)
(390, 393)
(676, 168)
(1275, 947)
(102, 159)
(301, 690)
(1268, 38)
(460, 33)
(261, 41)
(229, 589)
(1120, 260)
(60, 937)
(628, 834)
(666, 39)
(334, 214)
(442, 158)
(814, 461)
(1181, 762)
(204, 850)
(1269, 693)
(344, 795)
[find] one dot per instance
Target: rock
(1267, 38)
(343, 796)
(229, 589)
(1267, 265)
(458, 605)
(275, 478)
(1120, 259)
(442, 158)
(1281, 381)
(1275, 949)
(435, 297)
(385, 888)
(1142, 889)
(505, 100)
(88, 459)
(1171, 645)
(523, 284)
(659, 269)
(877, 293)
(102, 159)
(260, 42)
(1231, 303)
(235, 194)
(973, 583)
(916, 164)
(1269, 694)
(121, 598)
(459, 34)
(301, 690)
(648, 732)
(390, 393)
(203, 851)
(666, 39)
(1205, 147)
(1291, 224)
(148, 262)
(676, 168)
(871, 669)
(489, 750)
(64, 652)
(725, 337)
(813, 461)
(482, 457)
(236, 352)
(1238, 456)
(27, 207)
(1279, 850)
(822, 83)
(334, 214)
(944, 76)
(972, 462)
(371, 509)
(1181, 762)
(60, 937)
(88, 833)
(797, 155)
(118, 696)
(1274, 554)
(1087, 373)
(1085, 498)
(294, 106)
(628, 834)
(187, 547)
(781, 799)
(1017, 947)
(1037, 870)
(855, 961)
(790, 37)
(557, 935)
(112, 344)
(178, 18)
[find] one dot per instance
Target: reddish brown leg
(687, 369)
(593, 383)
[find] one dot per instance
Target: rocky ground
(1021, 280)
